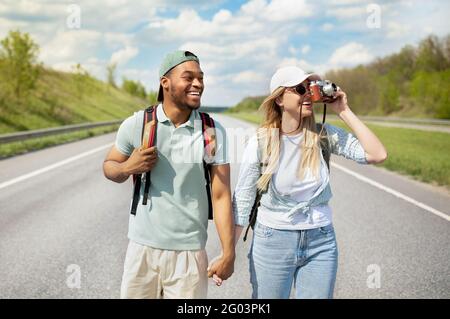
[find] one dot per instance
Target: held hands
(220, 269)
(141, 160)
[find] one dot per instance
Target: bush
(18, 56)
(134, 88)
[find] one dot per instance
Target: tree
(134, 88)
(447, 48)
(80, 77)
(18, 55)
(111, 71)
(431, 55)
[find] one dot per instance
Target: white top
(342, 143)
(286, 182)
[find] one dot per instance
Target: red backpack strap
(209, 143)
(148, 136)
(209, 135)
(152, 139)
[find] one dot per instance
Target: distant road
(434, 128)
(59, 214)
(445, 128)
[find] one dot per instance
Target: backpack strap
(254, 211)
(150, 127)
(324, 144)
(148, 137)
(209, 143)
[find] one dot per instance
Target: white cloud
(397, 30)
(350, 54)
(124, 55)
(7, 25)
(428, 29)
(248, 76)
(190, 26)
(293, 50)
(346, 2)
(277, 10)
(31, 9)
(303, 64)
(71, 45)
(327, 27)
(68, 48)
(306, 49)
(255, 49)
(253, 7)
(347, 12)
(223, 16)
(285, 10)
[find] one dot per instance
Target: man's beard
(178, 101)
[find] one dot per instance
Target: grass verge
(16, 148)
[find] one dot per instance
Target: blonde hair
(268, 135)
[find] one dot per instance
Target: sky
(240, 44)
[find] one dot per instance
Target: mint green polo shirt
(176, 214)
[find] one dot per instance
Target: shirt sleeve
(124, 137)
(245, 192)
(345, 144)
(221, 156)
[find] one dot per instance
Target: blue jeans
(306, 258)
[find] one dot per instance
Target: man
(166, 255)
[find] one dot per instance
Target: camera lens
(329, 88)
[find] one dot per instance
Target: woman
(294, 241)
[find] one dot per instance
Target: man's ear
(164, 82)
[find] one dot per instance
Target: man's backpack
(326, 153)
(148, 136)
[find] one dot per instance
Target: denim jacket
(341, 142)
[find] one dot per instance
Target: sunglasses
(300, 89)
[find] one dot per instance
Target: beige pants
(171, 274)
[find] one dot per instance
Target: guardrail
(20, 136)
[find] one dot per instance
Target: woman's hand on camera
(340, 103)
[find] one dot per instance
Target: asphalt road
(63, 230)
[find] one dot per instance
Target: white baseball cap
(290, 76)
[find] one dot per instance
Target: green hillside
(65, 98)
(33, 96)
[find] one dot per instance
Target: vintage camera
(322, 91)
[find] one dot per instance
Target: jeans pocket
(328, 229)
(262, 231)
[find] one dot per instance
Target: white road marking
(393, 192)
(53, 166)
